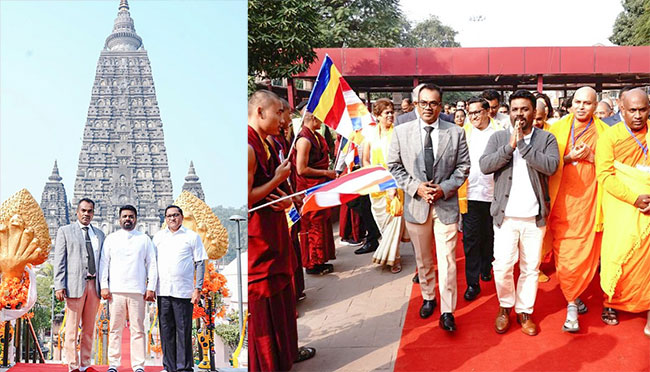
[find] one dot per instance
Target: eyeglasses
(425, 104)
(473, 113)
(172, 215)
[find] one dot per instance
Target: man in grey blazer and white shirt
(76, 263)
(521, 158)
(429, 159)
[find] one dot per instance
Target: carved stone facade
(123, 159)
(54, 203)
(192, 183)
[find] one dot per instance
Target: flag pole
(276, 200)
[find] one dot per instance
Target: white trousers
(423, 237)
(120, 305)
(517, 239)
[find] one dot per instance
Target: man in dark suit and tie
(429, 159)
(76, 257)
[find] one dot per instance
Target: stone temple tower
(54, 203)
(123, 158)
(192, 183)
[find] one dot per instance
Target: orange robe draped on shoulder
(574, 209)
(625, 255)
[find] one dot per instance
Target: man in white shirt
(180, 253)
(521, 159)
(128, 277)
(478, 236)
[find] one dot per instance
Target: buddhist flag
(345, 188)
(334, 103)
(292, 216)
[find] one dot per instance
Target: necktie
(91, 254)
(428, 153)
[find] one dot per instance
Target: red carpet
(125, 367)
(475, 346)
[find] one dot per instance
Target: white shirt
(94, 241)
(434, 135)
(128, 263)
(177, 252)
(503, 120)
(480, 187)
(522, 200)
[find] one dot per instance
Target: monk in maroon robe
(312, 163)
(272, 328)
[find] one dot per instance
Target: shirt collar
(181, 229)
(81, 226)
(435, 124)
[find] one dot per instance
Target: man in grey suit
(522, 158)
(429, 159)
(76, 258)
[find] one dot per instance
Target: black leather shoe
(369, 247)
(427, 308)
(486, 277)
(416, 278)
(447, 322)
(472, 292)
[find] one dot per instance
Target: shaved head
(584, 103)
(636, 108)
(261, 98)
(603, 110)
(265, 113)
(540, 114)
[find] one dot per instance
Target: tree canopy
(431, 33)
(632, 26)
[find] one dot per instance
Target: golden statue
(24, 235)
(198, 217)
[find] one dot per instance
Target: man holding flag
(273, 335)
(429, 159)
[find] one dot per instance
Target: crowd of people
(525, 182)
(127, 268)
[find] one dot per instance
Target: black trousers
(478, 240)
(362, 206)
(175, 322)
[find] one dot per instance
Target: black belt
(91, 277)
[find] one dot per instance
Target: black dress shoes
(369, 247)
(416, 278)
(427, 308)
(486, 277)
(472, 292)
(447, 322)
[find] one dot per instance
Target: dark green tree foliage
(224, 214)
(361, 24)
(431, 33)
(632, 26)
(281, 37)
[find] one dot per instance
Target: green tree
(431, 33)
(224, 214)
(281, 37)
(361, 24)
(632, 26)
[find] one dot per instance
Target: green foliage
(224, 213)
(281, 37)
(431, 33)
(229, 332)
(453, 97)
(361, 23)
(632, 26)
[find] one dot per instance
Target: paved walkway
(354, 316)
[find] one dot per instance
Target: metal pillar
(238, 219)
(540, 83)
(291, 93)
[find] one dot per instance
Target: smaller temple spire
(192, 183)
(124, 5)
(191, 174)
(55, 177)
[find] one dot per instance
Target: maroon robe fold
(272, 328)
(316, 235)
(350, 224)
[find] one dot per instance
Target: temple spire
(124, 5)
(192, 183)
(123, 37)
(55, 177)
(191, 174)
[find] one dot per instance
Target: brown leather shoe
(502, 322)
(527, 324)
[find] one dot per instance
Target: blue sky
(48, 55)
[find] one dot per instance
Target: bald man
(624, 176)
(541, 113)
(573, 189)
(604, 110)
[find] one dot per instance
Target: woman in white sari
(387, 206)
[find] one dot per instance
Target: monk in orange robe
(573, 221)
(311, 160)
(272, 327)
(623, 170)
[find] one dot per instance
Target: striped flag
(345, 188)
(292, 216)
(334, 103)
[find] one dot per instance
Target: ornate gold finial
(24, 235)
(198, 216)
(124, 4)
